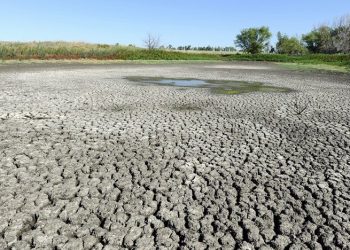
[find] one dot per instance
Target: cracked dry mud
(90, 160)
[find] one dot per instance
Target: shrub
(289, 45)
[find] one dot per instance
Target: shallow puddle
(182, 82)
(217, 86)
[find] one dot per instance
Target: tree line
(200, 48)
(322, 39)
(327, 39)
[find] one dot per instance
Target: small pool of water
(217, 86)
(182, 82)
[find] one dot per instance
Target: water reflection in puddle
(217, 86)
(182, 82)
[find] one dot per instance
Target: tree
(170, 47)
(341, 35)
(253, 40)
(152, 41)
(289, 45)
(329, 39)
(319, 40)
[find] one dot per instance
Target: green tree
(341, 35)
(319, 40)
(289, 45)
(253, 40)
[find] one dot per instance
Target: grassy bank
(329, 59)
(64, 50)
(310, 67)
(85, 51)
(324, 62)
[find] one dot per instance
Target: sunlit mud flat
(92, 160)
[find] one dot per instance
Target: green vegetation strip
(116, 53)
(308, 67)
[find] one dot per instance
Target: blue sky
(177, 22)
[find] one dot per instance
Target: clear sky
(177, 22)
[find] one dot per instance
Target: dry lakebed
(174, 156)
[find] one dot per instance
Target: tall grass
(78, 50)
(67, 50)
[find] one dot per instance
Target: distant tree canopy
(254, 40)
(329, 39)
(204, 48)
(319, 40)
(289, 45)
(341, 35)
(322, 39)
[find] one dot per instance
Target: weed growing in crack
(299, 106)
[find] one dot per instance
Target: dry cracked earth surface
(90, 160)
